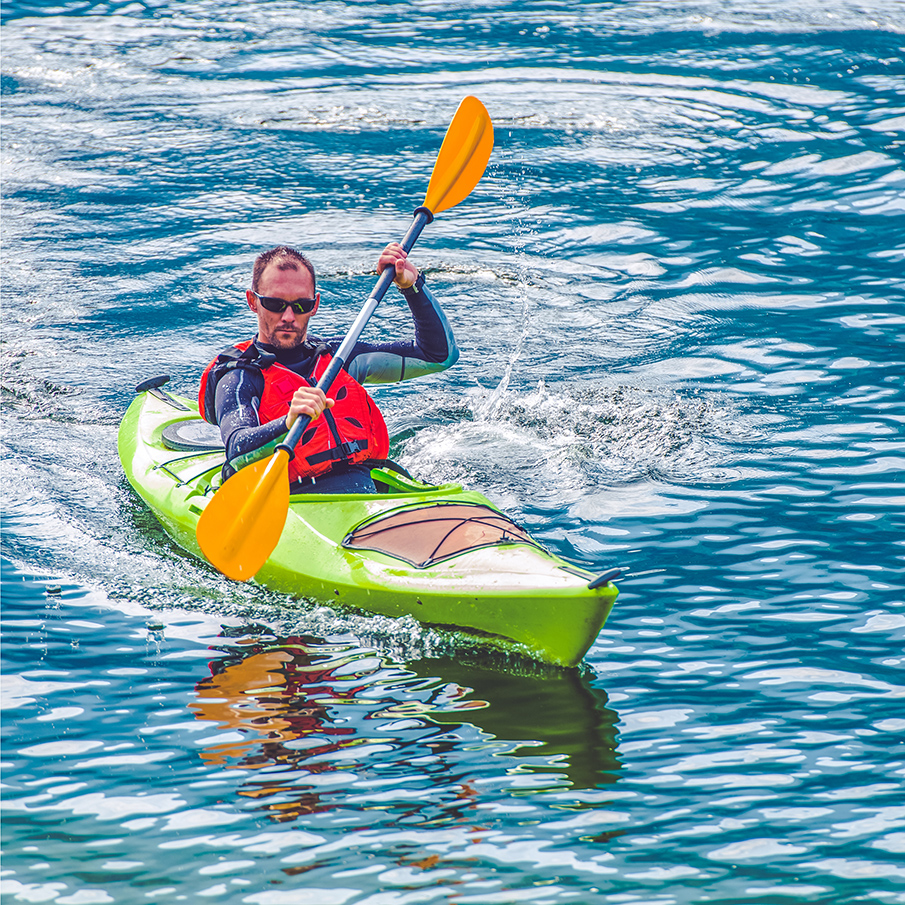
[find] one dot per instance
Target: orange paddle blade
(244, 519)
(463, 156)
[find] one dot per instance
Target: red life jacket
(352, 431)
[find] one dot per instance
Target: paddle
(243, 521)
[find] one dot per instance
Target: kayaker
(254, 390)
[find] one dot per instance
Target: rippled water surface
(678, 291)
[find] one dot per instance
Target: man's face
(288, 329)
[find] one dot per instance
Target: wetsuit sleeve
(238, 396)
(432, 349)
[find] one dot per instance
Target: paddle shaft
(422, 217)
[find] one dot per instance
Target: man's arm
(237, 397)
(432, 349)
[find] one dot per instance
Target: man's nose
(288, 314)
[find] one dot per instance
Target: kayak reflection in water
(324, 715)
(254, 390)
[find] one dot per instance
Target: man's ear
(317, 303)
(252, 301)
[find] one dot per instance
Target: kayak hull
(510, 594)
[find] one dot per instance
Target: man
(255, 390)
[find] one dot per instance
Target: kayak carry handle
(604, 578)
(153, 384)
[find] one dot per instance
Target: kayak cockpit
(426, 534)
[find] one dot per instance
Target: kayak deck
(444, 555)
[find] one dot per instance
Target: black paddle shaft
(422, 217)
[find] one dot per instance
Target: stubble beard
(287, 342)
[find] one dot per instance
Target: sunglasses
(278, 306)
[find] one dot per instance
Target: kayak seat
(391, 477)
(193, 435)
(425, 535)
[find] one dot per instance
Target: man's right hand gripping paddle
(243, 521)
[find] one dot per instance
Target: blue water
(679, 296)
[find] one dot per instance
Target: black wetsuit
(238, 390)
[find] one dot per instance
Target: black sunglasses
(278, 306)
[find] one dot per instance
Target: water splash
(570, 438)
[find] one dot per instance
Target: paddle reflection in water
(309, 720)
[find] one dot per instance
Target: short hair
(285, 258)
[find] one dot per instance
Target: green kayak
(444, 555)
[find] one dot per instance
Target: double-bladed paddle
(244, 519)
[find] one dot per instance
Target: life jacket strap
(252, 357)
(343, 452)
(344, 449)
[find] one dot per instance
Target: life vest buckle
(347, 449)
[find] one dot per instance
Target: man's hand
(394, 256)
(307, 401)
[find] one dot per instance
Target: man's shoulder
(239, 359)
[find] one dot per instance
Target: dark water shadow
(559, 715)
